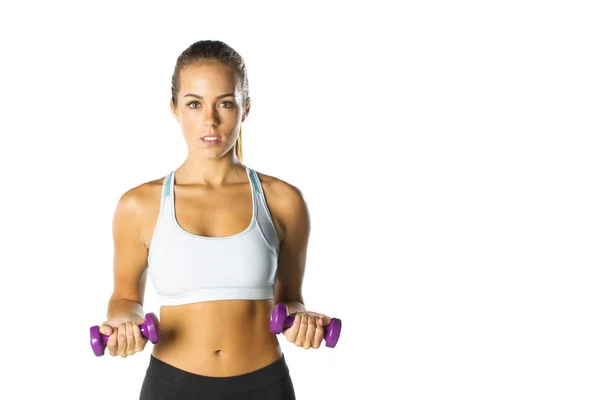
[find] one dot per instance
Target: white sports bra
(187, 268)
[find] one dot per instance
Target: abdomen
(218, 338)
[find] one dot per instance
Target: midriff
(217, 338)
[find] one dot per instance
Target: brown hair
(220, 51)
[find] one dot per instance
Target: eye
(196, 104)
(228, 104)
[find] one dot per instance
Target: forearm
(122, 307)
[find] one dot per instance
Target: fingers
(292, 332)
(326, 320)
(106, 329)
(122, 340)
(311, 331)
(130, 344)
(134, 340)
(308, 330)
(124, 336)
(307, 333)
(300, 338)
(139, 340)
(112, 344)
(319, 334)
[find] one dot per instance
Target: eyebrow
(219, 97)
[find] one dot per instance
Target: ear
(246, 110)
(173, 110)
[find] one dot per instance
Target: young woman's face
(209, 108)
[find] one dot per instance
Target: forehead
(207, 76)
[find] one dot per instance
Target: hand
(307, 330)
(125, 336)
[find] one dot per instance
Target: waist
(217, 338)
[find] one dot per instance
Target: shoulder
(281, 191)
(286, 203)
(141, 199)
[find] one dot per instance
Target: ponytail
(238, 146)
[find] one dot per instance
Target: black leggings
(166, 382)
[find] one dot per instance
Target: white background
(448, 152)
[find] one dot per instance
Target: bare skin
(212, 199)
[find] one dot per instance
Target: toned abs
(218, 338)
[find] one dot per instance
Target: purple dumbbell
(150, 330)
(281, 320)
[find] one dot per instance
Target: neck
(209, 172)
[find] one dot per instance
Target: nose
(210, 117)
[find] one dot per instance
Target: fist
(307, 330)
(125, 337)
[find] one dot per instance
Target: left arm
(307, 330)
(295, 220)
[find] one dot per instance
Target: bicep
(293, 250)
(130, 255)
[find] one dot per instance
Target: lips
(210, 139)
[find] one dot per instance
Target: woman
(222, 244)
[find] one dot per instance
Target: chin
(210, 154)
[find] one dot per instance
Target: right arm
(125, 307)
